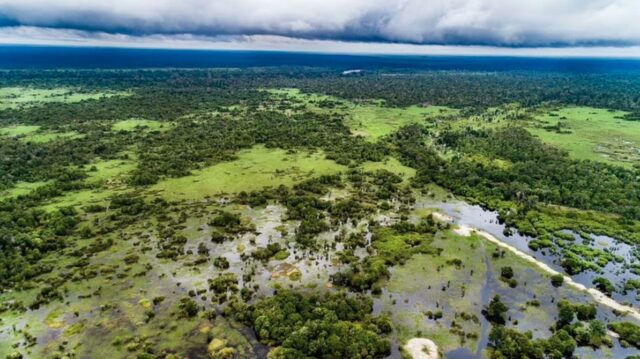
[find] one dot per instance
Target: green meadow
(34, 134)
(591, 134)
(254, 169)
(19, 97)
(20, 188)
(391, 164)
(18, 130)
(375, 120)
(136, 123)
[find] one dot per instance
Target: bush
(557, 280)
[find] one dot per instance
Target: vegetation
(332, 325)
(171, 213)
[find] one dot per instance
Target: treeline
(460, 89)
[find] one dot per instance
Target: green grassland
(296, 94)
(105, 177)
(135, 123)
(19, 97)
(109, 170)
(80, 198)
(392, 165)
(591, 133)
(43, 137)
(416, 280)
(374, 120)
(34, 134)
(18, 130)
(254, 169)
(490, 118)
(371, 118)
(20, 188)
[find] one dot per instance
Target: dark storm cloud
(452, 22)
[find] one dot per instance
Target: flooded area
(437, 298)
(475, 216)
(471, 216)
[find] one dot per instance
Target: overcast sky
(546, 27)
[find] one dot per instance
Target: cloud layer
(444, 22)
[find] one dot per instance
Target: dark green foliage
(26, 236)
(585, 311)
(604, 285)
(539, 174)
(557, 280)
(629, 332)
(506, 273)
(566, 314)
(223, 283)
(507, 343)
(495, 311)
(592, 334)
(221, 263)
(511, 344)
(327, 326)
(188, 307)
(266, 253)
(560, 345)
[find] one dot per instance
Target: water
(490, 287)
(47, 57)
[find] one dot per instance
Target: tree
(557, 280)
(565, 314)
(495, 311)
(511, 344)
(506, 272)
(561, 345)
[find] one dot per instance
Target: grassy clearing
(391, 164)
(107, 177)
(28, 133)
(80, 198)
(490, 118)
(18, 97)
(18, 130)
(20, 188)
(135, 123)
(374, 121)
(109, 170)
(51, 136)
(254, 169)
(591, 134)
(296, 94)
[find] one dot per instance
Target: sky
(482, 27)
